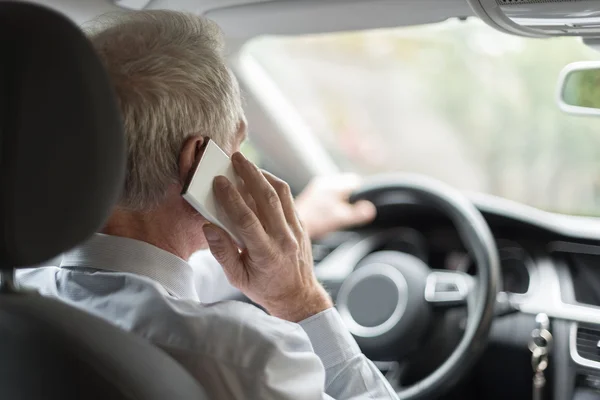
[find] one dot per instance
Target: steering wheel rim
(477, 238)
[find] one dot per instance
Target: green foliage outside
(582, 88)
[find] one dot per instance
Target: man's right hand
(276, 268)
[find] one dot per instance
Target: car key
(539, 362)
(540, 344)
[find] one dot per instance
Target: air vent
(588, 378)
(588, 341)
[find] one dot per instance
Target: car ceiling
(248, 18)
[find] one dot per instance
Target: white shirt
(210, 280)
(235, 350)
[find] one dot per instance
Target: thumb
(363, 212)
(225, 251)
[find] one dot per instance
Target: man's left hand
(323, 206)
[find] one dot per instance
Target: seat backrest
(62, 162)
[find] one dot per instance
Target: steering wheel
(387, 298)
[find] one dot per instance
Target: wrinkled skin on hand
(275, 270)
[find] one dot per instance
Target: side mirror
(579, 88)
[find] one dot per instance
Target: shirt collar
(119, 254)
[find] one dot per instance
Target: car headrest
(62, 150)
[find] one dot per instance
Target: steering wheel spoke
(448, 288)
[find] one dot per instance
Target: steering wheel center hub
(373, 299)
(382, 303)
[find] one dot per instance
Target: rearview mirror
(541, 18)
(579, 88)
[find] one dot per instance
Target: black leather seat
(61, 170)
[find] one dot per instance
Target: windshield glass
(457, 101)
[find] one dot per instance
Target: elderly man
(175, 91)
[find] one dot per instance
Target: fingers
(246, 222)
(247, 197)
(287, 201)
(359, 213)
(226, 253)
(268, 204)
(362, 212)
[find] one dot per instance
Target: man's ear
(189, 157)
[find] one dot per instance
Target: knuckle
(228, 197)
(283, 188)
(247, 220)
(272, 255)
(272, 198)
(221, 254)
(290, 244)
(224, 257)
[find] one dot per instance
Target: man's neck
(158, 228)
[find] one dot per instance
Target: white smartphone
(198, 190)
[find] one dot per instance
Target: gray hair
(171, 82)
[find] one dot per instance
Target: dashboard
(440, 250)
(547, 267)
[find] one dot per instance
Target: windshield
(457, 101)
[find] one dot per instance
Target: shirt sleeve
(348, 373)
(317, 360)
(293, 370)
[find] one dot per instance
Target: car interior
(474, 124)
